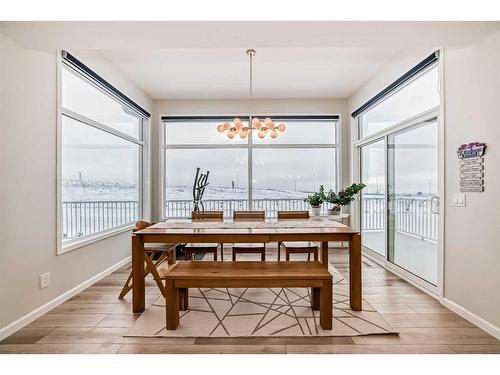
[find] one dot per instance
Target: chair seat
(300, 245)
(249, 245)
(250, 248)
(201, 245)
(158, 246)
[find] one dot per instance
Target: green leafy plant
(345, 196)
(316, 199)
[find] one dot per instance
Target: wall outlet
(459, 200)
(44, 280)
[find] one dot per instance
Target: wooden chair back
(293, 215)
(207, 215)
(249, 215)
(141, 224)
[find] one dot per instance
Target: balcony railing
(80, 219)
(413, 215)
(183, 208)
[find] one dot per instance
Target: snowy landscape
(94, 206)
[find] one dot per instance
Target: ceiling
(223, 73)
(197, 60)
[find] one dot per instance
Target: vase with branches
(343, 197)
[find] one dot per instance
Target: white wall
(472, 234)
(472, 240)
(28, 185)
(240, 106)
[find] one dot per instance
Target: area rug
(263, 312)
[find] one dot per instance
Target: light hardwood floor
(95, 321)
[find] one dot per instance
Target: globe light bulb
(220, 128)
(267, 121)
(243, 134)
(238, 126)
(257, 125)
(255, 121)
(262, 133)
(281, 127)
(226, 126)
(274, 134)
(231, 134)
(271, 125)
(237, 120)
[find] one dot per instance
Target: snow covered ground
(99, 191)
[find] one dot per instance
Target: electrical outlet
(44, 280)
(459, 199)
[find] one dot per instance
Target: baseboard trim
(35, 314)
(473, 318)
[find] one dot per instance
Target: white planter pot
(316, 210)
(334, 211)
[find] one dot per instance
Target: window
(97, 105)
(416, 97)
(398, 161)
(283, 170)
(101, 156)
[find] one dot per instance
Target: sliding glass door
(397, 133)
(413, 200)
(400, 204)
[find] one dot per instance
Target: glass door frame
(434, 113)
(372, 252)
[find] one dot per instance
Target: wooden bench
(183, 275)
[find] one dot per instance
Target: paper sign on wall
(471, 167)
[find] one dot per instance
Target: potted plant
(343, 198)
(316, 200)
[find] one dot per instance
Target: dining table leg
(355, 272)
(138, 287)
(324, 253)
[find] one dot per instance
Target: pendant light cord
(250, 53)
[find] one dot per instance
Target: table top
(269, 226)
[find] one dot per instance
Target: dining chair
(204, 248)
(298, 247)
(249, 248)
(155, 255)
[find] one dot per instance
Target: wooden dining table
(185, 231)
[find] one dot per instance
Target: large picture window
(260, 174)
(101, 156)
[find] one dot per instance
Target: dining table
(319, 229)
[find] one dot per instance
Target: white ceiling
(173, 60)
(223, 73)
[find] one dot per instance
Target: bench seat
(183, 275)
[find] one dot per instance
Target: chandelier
(264, 128)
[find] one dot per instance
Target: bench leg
(325, 312)
(315, 299)
(183, 299)
(172, 302)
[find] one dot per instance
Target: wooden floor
(95, 321)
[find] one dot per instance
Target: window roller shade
(429, 60)
(80, 67)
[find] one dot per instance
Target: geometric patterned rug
(263, 312)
